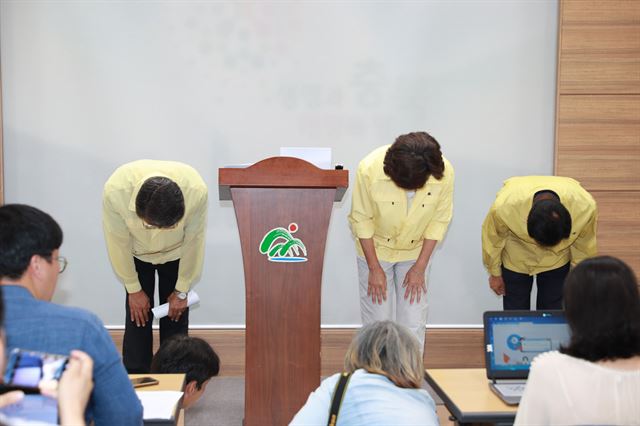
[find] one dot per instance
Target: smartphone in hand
(28, 369)
(139, 382)
(25, 371)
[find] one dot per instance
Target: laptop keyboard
(510, 389)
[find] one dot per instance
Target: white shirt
(370, 399)
(410, 196)
(565, 390)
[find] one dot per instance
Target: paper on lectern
(318, 156)
(163, 310)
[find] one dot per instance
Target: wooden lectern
(282, 206)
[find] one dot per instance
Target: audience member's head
(388, 349)
(412, 159)
(160, 203)
(29, 243)
(549, 222)
(191, 356)
(602, 306)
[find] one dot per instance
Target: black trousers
(137, 346)
(517, 289)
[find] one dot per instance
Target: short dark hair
(160, 202)
(188, 355)
(25, 231)
(412, 159)
(549, 222)
(602, 306)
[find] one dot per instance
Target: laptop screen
(514, 338)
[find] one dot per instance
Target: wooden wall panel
(445, 348)
(618, 226)
(600, 141)
(333, 347)
(600, 47)
(454, 348)
(595, 12)
(602, 59)
(598, 115)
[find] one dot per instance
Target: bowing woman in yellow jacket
(538, 225)
(402, 205)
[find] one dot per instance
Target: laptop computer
(512, 339)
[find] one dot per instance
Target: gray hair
(389, 349)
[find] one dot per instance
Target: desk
(466, 394)
(167, 382)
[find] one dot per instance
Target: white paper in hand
(163, 310)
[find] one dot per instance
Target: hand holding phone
(10, 397)
(64, 381)
(30, 369)
(75, 388)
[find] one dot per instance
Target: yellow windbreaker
(379, 210)
(126, 236)
(506, 241)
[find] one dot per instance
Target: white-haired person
(595, 380)
(381, 383)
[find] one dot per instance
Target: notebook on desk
(512, 339)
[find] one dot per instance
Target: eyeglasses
(62, 263)
(146, 225)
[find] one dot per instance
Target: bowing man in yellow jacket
(402, 205)
(154, 218)
(538, 225)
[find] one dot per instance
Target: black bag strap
(338, 396)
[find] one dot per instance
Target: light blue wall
(89, 86)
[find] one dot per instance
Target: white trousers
(396, 307)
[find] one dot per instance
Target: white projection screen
(88, 86)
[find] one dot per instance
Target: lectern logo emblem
(280, 246)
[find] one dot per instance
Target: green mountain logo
(280, 246)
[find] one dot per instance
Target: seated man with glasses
(154, 218)
(30, 262)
